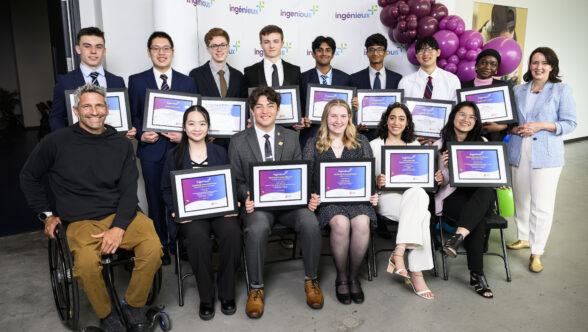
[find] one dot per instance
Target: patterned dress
(327, 211)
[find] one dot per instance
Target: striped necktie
(164, 85)
(429, 88)
(324, 77)
(94, 75)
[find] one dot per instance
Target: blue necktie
(164, 85)
(377, 83)
(324, 77)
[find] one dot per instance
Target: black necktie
(164, 85)
(275, 79)
(377, 83)
(94, 76)
(429, 88)
(268, 148)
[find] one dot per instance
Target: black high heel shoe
(480, 285)
(451, 245)
(357, 297)
(344, 298)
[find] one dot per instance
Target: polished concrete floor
(553, 300)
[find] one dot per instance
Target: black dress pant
(227, 233)
(467, 207)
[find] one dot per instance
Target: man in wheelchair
(92, 172)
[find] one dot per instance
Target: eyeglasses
(427, 50)
(88, 107)
(218, 46)
(378, 50)
(165, 49)
(465, 115)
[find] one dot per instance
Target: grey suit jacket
(244, 149)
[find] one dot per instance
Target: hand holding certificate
(479, 164)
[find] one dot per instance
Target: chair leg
(246, 272)
(368, 261)
(434, 255)
(374, 262)
(179, 274)
(294, 245)
(505, 256)
(443, 257)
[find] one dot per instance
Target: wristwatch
(44, 215)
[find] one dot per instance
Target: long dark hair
(180, 150)
(448, 131)
(552, 60)
(408, 135)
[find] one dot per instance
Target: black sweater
(91, 176)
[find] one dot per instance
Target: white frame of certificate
(286, 117)
(123, 101)
(220, 126)
(369, 180)
(368, 93)
(302, 198)
(148, 115)
(411, 103)
(428, 183)
(230, 206)
(503, 178)
(506, 110)
(315, 114)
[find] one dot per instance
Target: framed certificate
(202, 193)
(119, 115)
(429, 115)
(478, 164)
(346, 181)
(373, 103)
(289, 113)
(496, 102)
(409, 166)
(280, 184)
(227, 115)
(319, 95)
(164, 110)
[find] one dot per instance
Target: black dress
(326, 212)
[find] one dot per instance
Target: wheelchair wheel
(64, 285)
(155, 287)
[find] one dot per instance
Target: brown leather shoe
(254, 308)
(314, 296)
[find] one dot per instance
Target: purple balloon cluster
(411, 19)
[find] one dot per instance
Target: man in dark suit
(153, 146)
(91, 49)
(216, 78)
(323, 51)
(375, 76)
(272, 70)
(266, 141)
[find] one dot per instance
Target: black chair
(65, 286)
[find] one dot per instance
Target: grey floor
(554, 300)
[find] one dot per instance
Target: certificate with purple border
(280, 184)
(203, 193)
(319, 95)
(409, 166)
(119, 115)
(429, 115)
(164, 110)
(346, 181)
(496, 102)
(373, 103)
(478, 164)
(289, 113)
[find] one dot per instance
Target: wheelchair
(66, 292)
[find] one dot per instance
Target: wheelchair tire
(164, 321)
(64, 285)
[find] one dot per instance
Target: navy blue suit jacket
(71, 81)
(206, 85)
(138, 84)
(215, 154)
(361, 79)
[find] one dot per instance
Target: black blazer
(216, 156)
(361, 79)
(255, 75)
(206, 86)
(470, 84)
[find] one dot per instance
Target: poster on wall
(502, 21)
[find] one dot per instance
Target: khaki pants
(140, 237)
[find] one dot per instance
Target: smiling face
(465, 120)
(337, 120)
(376, 54)
(486, 67)
(323, 54)
(397, 122)
(272, 44)
(218, 48)
(427, 56)
(539, 67)
(91, 112)
(265, 113)
(196, 127)
(91, 50)
(161, 54)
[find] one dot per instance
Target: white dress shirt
(261, 141)
(158, 79)
(86, 71)
(373, 72)
(268, 70)
(444, 84)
